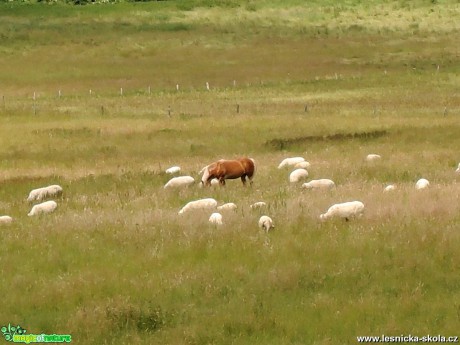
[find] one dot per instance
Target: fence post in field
(35, 104)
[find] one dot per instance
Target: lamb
(345, 210)
(458, 169)
(323, 183)
(390, 188)
(290, 161)
(173, 170)
(5, 219)
(44, 207)
(297, 175)
(266, 223)
(422, 184)
(303, 165)
(372, 157)
(216, 218)
(180, 181)
(44, 192)
(258, 204)
(207, 203)
(214, 182)
(227, 206)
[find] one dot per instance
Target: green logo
(17, 334)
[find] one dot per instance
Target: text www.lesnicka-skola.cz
(408, 339)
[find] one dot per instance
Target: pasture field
(329, 81)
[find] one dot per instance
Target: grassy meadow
(102, 98)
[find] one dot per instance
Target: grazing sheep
(297, 175)
(422, 184)
(180, 181)
(214, 182)
(389, 188)
(266, 223)
(258, 204)
(290, 161)
(208, 203)
(44, 192)
(345, 210)
(323, 183)
(173, 170)
(227, 206)
(216, 218)
(458, 169)
(5, 220)
(372, 157)
(303, 165)
(44, 207)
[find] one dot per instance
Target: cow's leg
(243, 179)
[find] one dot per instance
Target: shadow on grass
(281, 144)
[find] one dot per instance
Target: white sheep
(290, 161)
(323, 183)
(258, 204)
(227, 206)
(44, 192)
(297, 175)
(180, 181)
(345, 210)
(458, 169)
(373, 157)
(207, 203)
(422, 184)
(266, 223)
(44, 207)
(173, 170)
(216, 218)
(214, 182)
(5, 220)
(303, 165)
(390, 188)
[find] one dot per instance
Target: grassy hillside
(101, 99)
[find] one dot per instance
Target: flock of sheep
(265, 222)
(344, 210)
(39, 194)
